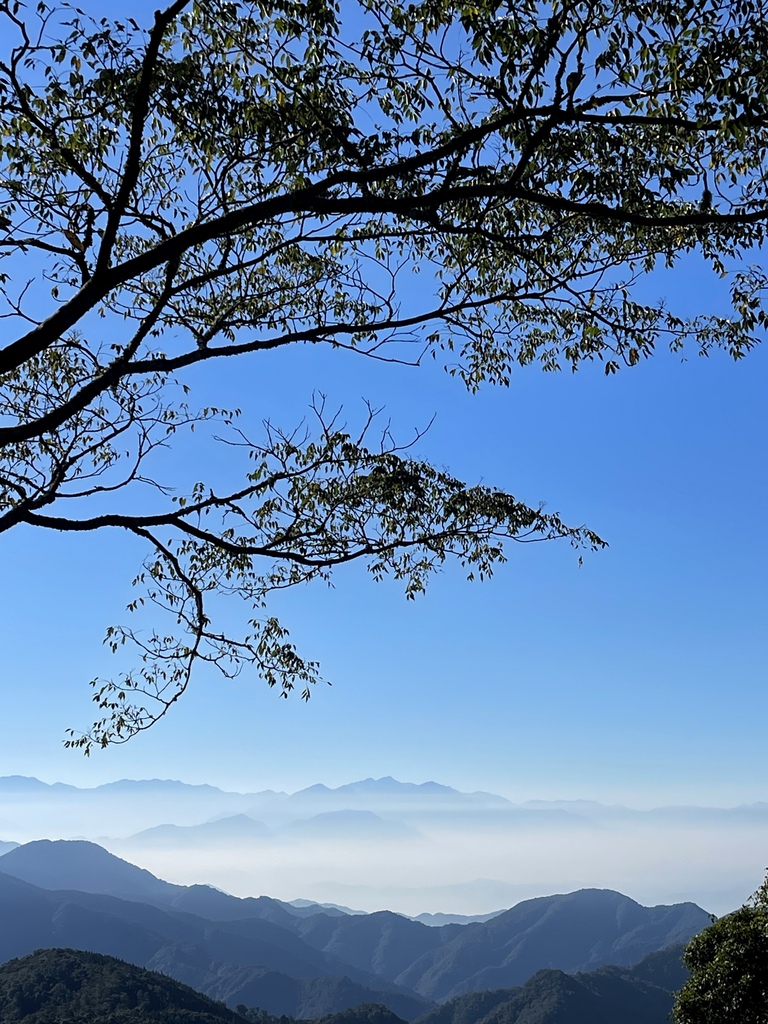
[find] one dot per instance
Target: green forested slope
(642, 994)
(67, 986)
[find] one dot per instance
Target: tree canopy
(243, 176)
(729, 969)
(59, 986)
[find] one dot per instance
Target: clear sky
(640, 677)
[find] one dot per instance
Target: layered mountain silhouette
(54, 986)
(156, 802)
(373, 795)
(88, 867)
(352, 825)
(285, 960)
(437, 920)
(574, 932)
(303, 998)
(229, 959)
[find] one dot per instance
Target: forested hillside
(642, 994)
(52, 986)
(66, 986)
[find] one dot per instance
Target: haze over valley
(384, 844)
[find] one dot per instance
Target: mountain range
(127, 802)
(251, 958)
(283, 958)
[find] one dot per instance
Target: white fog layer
(381, 844)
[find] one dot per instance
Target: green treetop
(729, 969)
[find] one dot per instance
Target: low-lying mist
(384, 845)
(457, 872)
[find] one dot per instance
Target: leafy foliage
(256, 1015)
(728, 961)
(247, 175)
(365, 1013)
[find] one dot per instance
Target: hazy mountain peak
(310, 904)
(349, 823)
(318, 788)
(78, 864)
(387, 784)
(29, 784)
(231, 827)
(158, 786)
(439, 919)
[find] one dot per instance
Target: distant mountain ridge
(438, 920)
(382, 787)
(28, 783)
(388, 783)
(198, 806)
(74, 864)
(195, 950)
(573, 932)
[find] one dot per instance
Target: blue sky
(638, 678)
